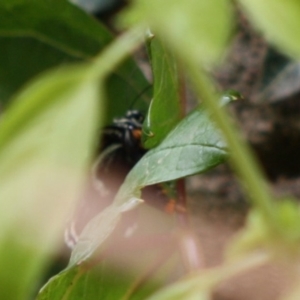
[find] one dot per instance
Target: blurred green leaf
(55, 22)
(38, 35)
(184, 290)
(279, 21)
(43, 164)
(164, 111)
(256, 235)
(199, 29)
(288, 221)
(46, 142)
(22, 58)
(279, 236)
(199, 285)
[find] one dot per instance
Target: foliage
(63, 75)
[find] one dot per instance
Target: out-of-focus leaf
(200, 285)
(279, 21)
(252, 238)
(199, 29)
(46, 141)
(57, 23)
(164, 111)
(22, 58)
(279, 236)
(287, 221)
(184, 290)
(38, 35)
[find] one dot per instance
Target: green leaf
(288, 221)
(268, 13)
(199, 29)
(278, 236)
(38, 35)
(22, 58)
(200, 285)
(57, 23)
(279, 21)
(193, 146)
(184, 290)
(255, 235)
(126, 89)
(46, 141)
(43, 164)
(164, 111)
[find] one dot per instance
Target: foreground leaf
(43, 165)
(38, 35)
(198, 286)
(199, 29)
(279, 21)
(279, 237)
